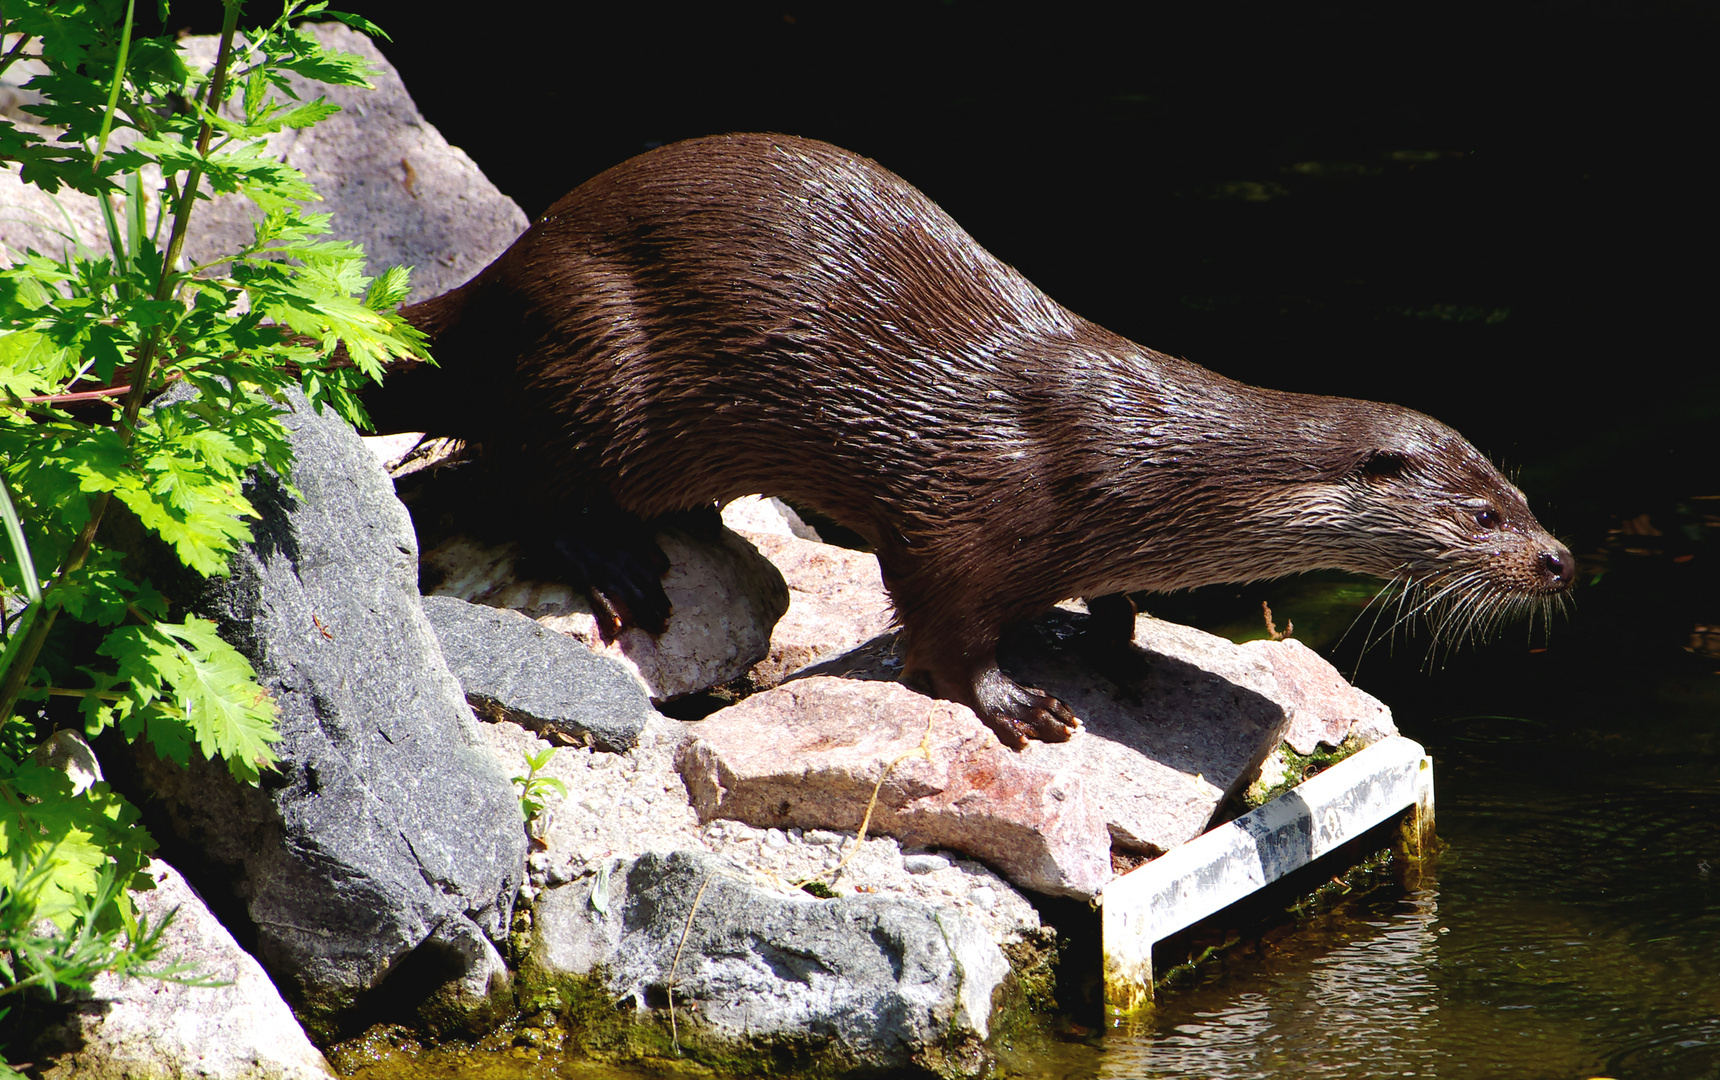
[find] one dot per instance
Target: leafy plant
(86, 338)
(533, 788)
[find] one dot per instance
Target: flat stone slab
(810, 753)
(1157, 759)
(1159, 769)
(515, 669)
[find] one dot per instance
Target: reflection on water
(1369, 999)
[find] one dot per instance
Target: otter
(765, 314)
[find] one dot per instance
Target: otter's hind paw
(1019, 713)
(625, 582)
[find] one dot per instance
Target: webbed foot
(1019, 713)
(614, 557)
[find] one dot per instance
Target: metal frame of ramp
(1220, 867)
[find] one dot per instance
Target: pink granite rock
(810, 752)
(1160, 766)
(1326, 708)
(1159, 758)
(836, 601)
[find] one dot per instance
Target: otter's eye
(1487, 518)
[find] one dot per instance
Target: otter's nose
(1559, 566)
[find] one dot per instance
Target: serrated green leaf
(357, 22)
(20, 292)
(204, 524)
(54, 846)
(309, 113)
(388, 291)
(216, 698)
(103, 461)
(324, 65)
(256, 95)
(27, 359)
(96, 593)
(66, 320)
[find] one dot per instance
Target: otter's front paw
(1019, 713)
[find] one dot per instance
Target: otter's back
(806, 311)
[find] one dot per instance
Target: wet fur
(763, 314)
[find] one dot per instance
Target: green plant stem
(113, 91)
(25, 661)
(103, 695)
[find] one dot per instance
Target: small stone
(67, 751)
(513, 668)
(984, 897)
(924, 863)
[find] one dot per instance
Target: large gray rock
(134, 1027)
(388, 827)
(866, 981)
(514, 669)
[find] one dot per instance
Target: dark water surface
(1571, 925)
(1572, 929)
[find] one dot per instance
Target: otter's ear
(1382, 465)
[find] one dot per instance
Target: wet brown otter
(763, 314)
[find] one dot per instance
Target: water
(1571, 928)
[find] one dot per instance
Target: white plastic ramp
(1220, 867)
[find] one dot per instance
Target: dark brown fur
(763, 314)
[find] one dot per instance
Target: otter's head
(1413, 502)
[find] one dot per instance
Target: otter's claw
(1019, 713)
